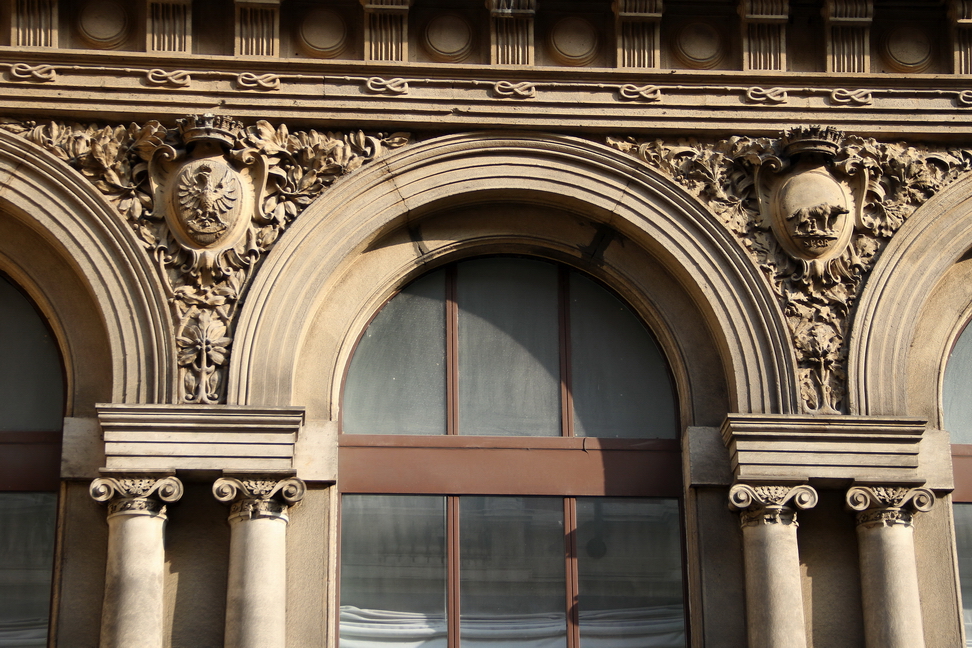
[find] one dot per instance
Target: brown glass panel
(30, 461)
(510, 471)
(962, 470)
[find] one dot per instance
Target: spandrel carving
(813, 209)
(208, 200)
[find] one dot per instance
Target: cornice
(56, 83)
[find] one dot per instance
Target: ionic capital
(770, 504)
(141, 496)
(258, 498)
(885, 506)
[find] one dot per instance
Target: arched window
(31, 416)
(509, 468)
(957, 414)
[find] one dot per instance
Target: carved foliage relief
(207, 199)
(813, 209)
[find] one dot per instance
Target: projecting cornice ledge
(863, 449)
(166, 438)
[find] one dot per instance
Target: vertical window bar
(566, 400)
(452, 587)
(570, 553)
(452, 352)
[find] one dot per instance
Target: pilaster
(256, 597)
(511, 31)
(774, 595)
(168, 26)
(132, 616)
(889, 570)
(386, 29)
(960, 15)
(34, 23)
(764, 33)
(257, 28)
(638, 33)
(849, 35)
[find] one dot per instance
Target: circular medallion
(573, 41)
(448, 38)
(103, 24)
(699, 45)
(323, 33)
(907, 49)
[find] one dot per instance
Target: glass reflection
(957, 389)
(26, 561)
(396, 382)
(512, 570)
(621, 387)
(393, 571)
(963, 546)
(509, 359)
(629, 563)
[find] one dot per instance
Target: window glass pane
(512, 571)
(396, 382)
(963, 542)
(509, 362)
(31, 387)
(620, 382)
(26, 561)
(957, 390)
(393, 571)
(629, 561)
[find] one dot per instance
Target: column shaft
(256, 599)
(774, 596)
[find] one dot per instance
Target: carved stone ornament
(880, 506)
(207, 199)
(770, 504)
(813, 209)
(136, 496)
(258, 498)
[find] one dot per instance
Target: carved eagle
(205, 195)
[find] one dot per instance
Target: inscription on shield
(205, 199)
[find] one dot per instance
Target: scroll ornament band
(207, 199)
(813, 209)
(880, 506)
(255, 498)
(136, 496)
(770, 504)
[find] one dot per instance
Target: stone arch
(66, 246)
(890, 345)
(601, 185)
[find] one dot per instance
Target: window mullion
(453, 583)
(563, 305)
(452, 351)
(571, 589)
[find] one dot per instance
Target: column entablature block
(774, 448)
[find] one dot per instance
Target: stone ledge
(865, 449)
(185, 437)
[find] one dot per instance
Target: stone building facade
(207, 207)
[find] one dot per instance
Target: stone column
(774, 595)
(889, 572)
(133, 607)
(256, 595)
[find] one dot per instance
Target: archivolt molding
(68, 211)
(206, 200)
(813, 209)
(586, 178)
(919, 255)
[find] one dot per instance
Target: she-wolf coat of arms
(812, 207)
